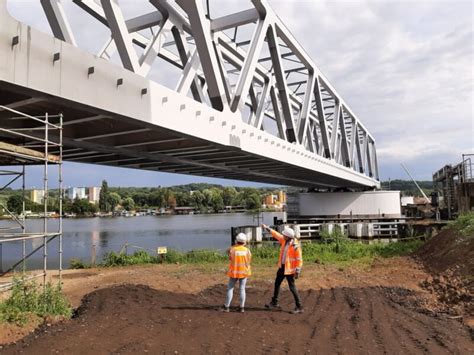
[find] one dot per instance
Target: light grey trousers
(230, 291)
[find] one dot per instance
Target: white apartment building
(94, 193)
(37, 196)
(73, 192)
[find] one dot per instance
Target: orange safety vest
(239, 266)
(294, 256)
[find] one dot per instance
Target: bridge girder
(264, 86)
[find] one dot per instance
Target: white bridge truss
(248, 103)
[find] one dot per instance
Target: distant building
(37, 196)
(282, 197)
(277, 201)
(93, 194)
(269, 200)
(79, 192)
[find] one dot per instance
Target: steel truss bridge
(247, 102)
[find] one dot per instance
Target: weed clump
(28, 299)
(464, 224)
(76, 263)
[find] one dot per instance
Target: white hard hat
(241, 238)
(289, 232)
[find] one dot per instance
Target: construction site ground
(173, 309)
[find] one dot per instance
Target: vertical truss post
(365, 140)
(353, 141)
(369, 157)
(359, 151)
(57, 20)
(261, 106)
(335, 128)
(207, 51)
(250, 62)
(344, 148)
(278, 114)
(309, 136)
(306, 108)
(376, 164)
(153, 48)
(120, 34)
(322, 119)
(281, 84)
(184, 56)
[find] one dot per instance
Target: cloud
(405, 68)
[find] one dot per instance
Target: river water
(178, 232)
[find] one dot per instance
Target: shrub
(464, 224)
(28, 299)
(76, 263)
(122, 259)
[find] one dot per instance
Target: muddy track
(132, 319)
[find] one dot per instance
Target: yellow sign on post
(161, 250)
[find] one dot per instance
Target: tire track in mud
(134, 318)
(388, 328)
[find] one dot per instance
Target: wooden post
(93, 253)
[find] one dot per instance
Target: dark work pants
(280, 276)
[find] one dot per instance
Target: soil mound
(449, 251)
(450, 257)
(138, 319)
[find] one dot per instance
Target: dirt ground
(172, 309)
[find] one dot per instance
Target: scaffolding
(30, 140)
(455, 186)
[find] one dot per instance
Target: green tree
(229, 195)
(141, 198)
(83, 207)
(183, 199)
(128, 204)
(217, 203)
(207, 197)
(253, 201)
(157, 198)
(15, 204)
(114, 200)
(103, 197)
(198, 199)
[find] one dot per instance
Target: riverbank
(380, 298)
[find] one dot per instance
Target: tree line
(203, 197)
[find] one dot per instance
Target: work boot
(297, 310)
(225, 309)
(272, 305)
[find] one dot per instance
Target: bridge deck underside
(91, 136)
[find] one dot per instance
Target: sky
(404, 67)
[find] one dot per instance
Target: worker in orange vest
(290, 262)
(239, 269)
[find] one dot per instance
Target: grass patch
(172, 257)
(28, 299)
(464, 224)
(333, 250)
(76, 263)
(342, 252)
